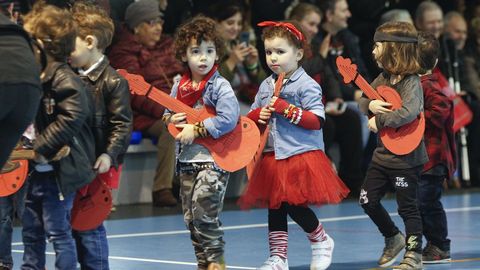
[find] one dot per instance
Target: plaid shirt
(439, 136)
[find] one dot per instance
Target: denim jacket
(218, 94)
(285, 138)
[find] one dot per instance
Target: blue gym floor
(161, 242)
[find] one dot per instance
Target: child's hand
(103, 163)
(372, 125)
(265, 115)
(187, 135)
(178, 118)
(378, 106)
(272, 101)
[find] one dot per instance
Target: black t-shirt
(17, 62)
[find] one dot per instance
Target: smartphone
(244, 38)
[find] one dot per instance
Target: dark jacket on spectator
(157, 65)
(346, 44)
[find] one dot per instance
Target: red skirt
(302, 179)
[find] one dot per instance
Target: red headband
(290, 27)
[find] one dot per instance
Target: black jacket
(67, 123)
(112, 120)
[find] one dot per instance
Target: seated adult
(342, 125)
(143, 50)
(240, 65)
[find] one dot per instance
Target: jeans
(8, 206)
(434, 219)
(47, 217)
(92, 248)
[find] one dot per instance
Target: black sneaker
(411, 261)
(393, 246)
(433, 254)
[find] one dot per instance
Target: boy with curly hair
(202, 181)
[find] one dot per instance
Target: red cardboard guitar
(231, 151)
(399, 141)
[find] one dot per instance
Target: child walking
(113, 116)
(202, 182)
(63, 119)
(441, 149)
(395, 51)
(295, 171)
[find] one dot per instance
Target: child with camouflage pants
(202, 182)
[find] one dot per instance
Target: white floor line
(150, 260)
(262, 225)
(259, 225)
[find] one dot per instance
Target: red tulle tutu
(303, 179)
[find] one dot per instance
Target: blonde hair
(54, 27)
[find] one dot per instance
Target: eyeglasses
(157, 21)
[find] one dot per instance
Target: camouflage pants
(202, 189)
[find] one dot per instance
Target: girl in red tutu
(295, 171)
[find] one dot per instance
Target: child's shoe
(322, 254)
(433, 254)
(393, 246)
(274, 263)
(411, 261)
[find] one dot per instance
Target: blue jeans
(92, 248)
(434, 219)
(8, 206)
(47, 217)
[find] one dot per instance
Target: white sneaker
(274, 263)
(322, 254)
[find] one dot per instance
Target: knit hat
(142, 11)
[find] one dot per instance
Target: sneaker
(411, 261)
(433, 254)
(274, 263)
(393, 246)
(322, 254)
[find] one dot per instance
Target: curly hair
(399, 58)
(198, 29)
(93, 20)
(55, 27)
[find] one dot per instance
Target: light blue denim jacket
(285, 138)
(218, 94)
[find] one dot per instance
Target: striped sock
(278, 242)
(318, 235)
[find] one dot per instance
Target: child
(113, 116)
(395, 51)
(202, 182)
(441, 149)
(295, 171)
(63, 119)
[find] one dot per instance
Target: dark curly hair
(199, 28)
(54, 27)
(271, 32)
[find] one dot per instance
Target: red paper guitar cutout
(93, 207)
(253, 165)
(399, 141)
(231, 151)
(14, 172)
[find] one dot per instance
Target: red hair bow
(290, 27)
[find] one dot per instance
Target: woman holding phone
(241, 65)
